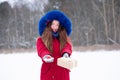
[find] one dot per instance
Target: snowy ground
(96, 65)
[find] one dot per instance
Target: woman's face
(55, 25)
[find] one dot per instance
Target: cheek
(52, 27)
(57, 27)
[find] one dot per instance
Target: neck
(55, 34)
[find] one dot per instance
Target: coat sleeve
(41, 48)
(67, 48)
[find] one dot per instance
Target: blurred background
(95, 38)
(96, 23)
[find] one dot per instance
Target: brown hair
(47, 37)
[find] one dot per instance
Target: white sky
(15, 0)
(12, 1)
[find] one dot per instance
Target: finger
(49, 60)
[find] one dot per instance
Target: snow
(92, 65)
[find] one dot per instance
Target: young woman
(53, 43)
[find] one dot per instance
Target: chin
(54, 31)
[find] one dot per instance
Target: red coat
(50, 71)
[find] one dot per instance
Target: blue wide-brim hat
(55, 15)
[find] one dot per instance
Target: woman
(54, 29)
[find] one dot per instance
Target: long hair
(47, 37)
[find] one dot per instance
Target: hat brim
(55, 15)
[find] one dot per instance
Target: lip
(55, 30)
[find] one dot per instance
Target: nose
(55, 28)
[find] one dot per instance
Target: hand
(48, 58)
(66, 55)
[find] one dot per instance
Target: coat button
(53, 77)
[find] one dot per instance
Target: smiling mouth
(55, 30)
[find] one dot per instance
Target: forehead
(55, 21)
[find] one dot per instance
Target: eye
(52, 23)
(57, 24)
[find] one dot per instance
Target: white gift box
(68, 63)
